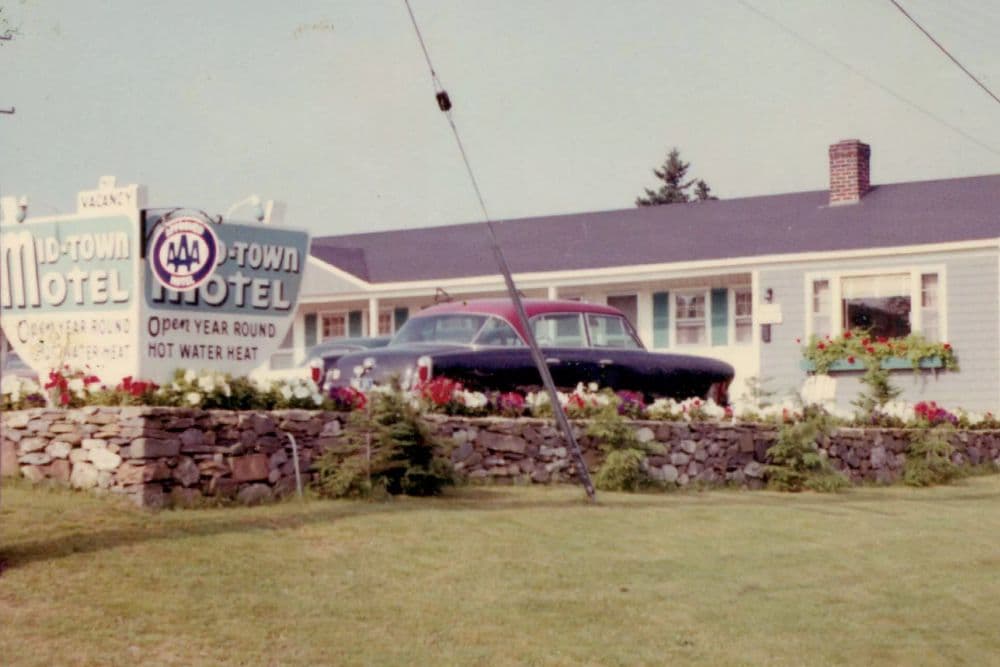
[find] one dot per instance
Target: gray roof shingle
(928, 212)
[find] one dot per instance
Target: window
(930, 309)
(559, 330)
(691, 325)
(333, 325)
(610, 331)
(457, 328)
(743, 314)
(883, 304)
(497, 332)
(821, 308)
(878, 304)
(385, 322)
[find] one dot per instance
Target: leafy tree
(675, 189)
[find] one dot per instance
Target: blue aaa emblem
(184, 253)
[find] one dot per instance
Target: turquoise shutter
(354, 324)
(661, 319)
(720, 316)
(310, 324)
(399, 316)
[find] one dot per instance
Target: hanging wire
(444, 103)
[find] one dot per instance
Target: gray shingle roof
(961, 209)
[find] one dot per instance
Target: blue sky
(563, 105)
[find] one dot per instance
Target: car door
(562, 338)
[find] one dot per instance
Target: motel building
(747, 281)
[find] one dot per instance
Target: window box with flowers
(855, 350)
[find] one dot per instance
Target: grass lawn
(508, 576)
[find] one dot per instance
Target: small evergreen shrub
(796, 460)
(624, 467)
(928, 458)
(623, 470)
(388, 451)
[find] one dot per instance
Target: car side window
(559, 330)
(497, 332)
(610, 331)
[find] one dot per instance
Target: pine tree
(674, 189)
(702, 192)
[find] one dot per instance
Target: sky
(563, 105)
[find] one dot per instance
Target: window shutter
(354, 324)
(399, 316)
(720, 316)
(310, 324)
(661, 319)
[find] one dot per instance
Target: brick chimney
(849, 175)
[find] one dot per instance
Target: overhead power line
(946, 52)
(444, 103)
(846, 65)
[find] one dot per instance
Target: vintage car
(481, 344)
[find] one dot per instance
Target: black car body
(481, 344)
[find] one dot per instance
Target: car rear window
(559, 330)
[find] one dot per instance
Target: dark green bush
(928, 458)
(796, 460)
(624, 467)
(388, 451)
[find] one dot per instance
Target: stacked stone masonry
(180, 457)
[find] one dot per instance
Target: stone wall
(177, 456)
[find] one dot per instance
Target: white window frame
(915, 271)
(706, 295)
(332, 313)
(732, 315)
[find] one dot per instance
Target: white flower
(592, 386)
(317, 399)
(175, 386)
(206, 383)
(300, 392)
(75, 385)
(193, 397)
(285, 391)
(9, 384)
(190, 375)
(472, 399)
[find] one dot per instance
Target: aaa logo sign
(184, 253)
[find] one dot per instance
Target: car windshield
(454, 328)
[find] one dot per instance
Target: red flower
(798, 340)
(866, 341)
(850, 360)
(820, 346)
(947, 346)
(883, 339)
(847, 334)
(870, 350)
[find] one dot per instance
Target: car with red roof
(482, 344)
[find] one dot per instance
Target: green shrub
(387, 451)
(928, 458)
(623, 470)
(796, 460)
(624, 467)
